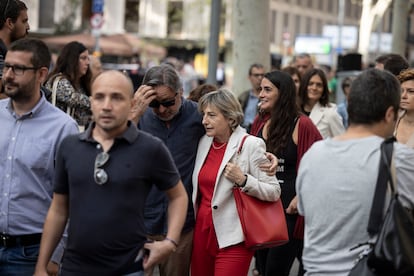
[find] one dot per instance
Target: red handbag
(263, 222)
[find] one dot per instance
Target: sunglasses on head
(167, 103)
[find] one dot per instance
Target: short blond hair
(225, 101)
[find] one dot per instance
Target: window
(285, 20)
(330, 6)
(175, 17)
(131, 15)
(320, 5)
(308, 25)
(297, 24)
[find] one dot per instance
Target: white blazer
(225, 217)
(327, 120)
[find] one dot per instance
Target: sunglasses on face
(167, 103)
(99, 174)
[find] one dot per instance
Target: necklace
(407, 121)
(218, 147)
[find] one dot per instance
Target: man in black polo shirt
(103, 177)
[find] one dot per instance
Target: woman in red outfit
(218, 247)
(288, 135)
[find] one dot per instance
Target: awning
(124, 45)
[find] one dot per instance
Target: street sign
(97, 6)
(97, 20)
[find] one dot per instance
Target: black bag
(393, 251)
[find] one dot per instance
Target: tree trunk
(251, 39)
(399, 26)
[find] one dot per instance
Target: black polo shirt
(106, 228)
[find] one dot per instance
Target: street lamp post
(213, 41)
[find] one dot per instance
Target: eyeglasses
(257, 75)
(18, 70)
(167, 103)
(99, 174)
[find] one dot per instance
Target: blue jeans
(18, 260)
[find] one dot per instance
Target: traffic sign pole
(96, 23)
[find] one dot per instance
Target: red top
(208, 173)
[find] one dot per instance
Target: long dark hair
(68, 65)
(303, 91)
(284, 111)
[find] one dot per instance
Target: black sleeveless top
(286, 168)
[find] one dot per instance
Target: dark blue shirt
(181, 138)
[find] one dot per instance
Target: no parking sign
(97, 14)
(97, 20)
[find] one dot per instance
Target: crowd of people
(100, 178)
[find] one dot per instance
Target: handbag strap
(242, 143)
(54, 88)
(69, 110)
(384, 177)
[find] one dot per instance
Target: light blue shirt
(28, 146)
(250, 110)
(342, 110)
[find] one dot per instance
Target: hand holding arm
(269, 167)
(292, 209)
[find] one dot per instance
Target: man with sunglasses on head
(14, 24)
(31, 130)
(103, 177)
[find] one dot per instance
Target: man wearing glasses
(31, 130)
(14, 24)
(103, 177)
(249, 99)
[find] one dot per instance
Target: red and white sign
(97, 20)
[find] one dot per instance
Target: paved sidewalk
(293, 271)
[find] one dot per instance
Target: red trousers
(207, 259)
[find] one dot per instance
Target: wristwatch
(244, 182)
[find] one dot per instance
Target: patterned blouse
(74, 102)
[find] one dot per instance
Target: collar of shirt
(36, 109)
(129, 135)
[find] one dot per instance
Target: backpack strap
(384, 177)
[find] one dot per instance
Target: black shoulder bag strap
(384, 175)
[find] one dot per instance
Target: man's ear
(9, 23)
(390, 115)
(43, 73)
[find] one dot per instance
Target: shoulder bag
(54, 94)
(263, 222)
(393, 251)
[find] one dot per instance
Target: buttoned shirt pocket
(35, 153)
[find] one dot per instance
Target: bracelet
(172, 241)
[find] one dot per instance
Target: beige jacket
(225, 218)
(327, 120)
